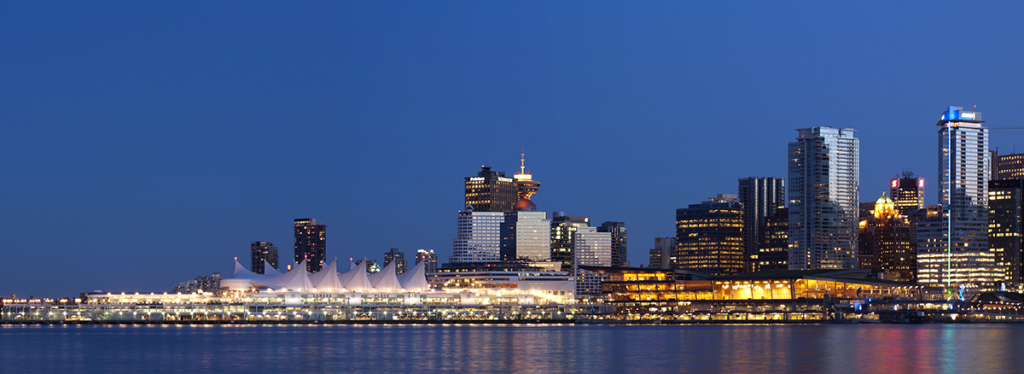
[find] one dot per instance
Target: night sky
(145, 144)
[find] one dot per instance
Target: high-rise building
(490, 191)
(618, 231)
(479, 237)
(773, 253)
(885, 238)
(1009, 166)
(398, 257)
(526, 236)
(709, 236)
(262, 252)
(907, 192)
(663, 255)
(761, 197)
(962, 257)
(430, 257)
(563, 228)
(1006, 226)
(824, 180)
(592, 248)
(310, 243)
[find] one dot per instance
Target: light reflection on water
(520, 349)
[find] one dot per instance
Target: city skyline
(126, 142)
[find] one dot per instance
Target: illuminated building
(543, 277)
(526, 186)
(761, 197)
(310, 243)
(961, 256)
(887, 234)
(428, 256)
(394, 255)
(1009, 166)
(479, 237)
(526, 236)
(824, 180)
(663, 255)
(1006, 226)
(907, 192)
(490, 191)
(773, 253)
(590, 248)
(709, 236)
(200, 283)
(562, 229)
(263, 253)
(618, 231)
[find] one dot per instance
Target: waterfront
(990, 348)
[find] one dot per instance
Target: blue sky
(144, 144)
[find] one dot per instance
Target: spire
(522, 160)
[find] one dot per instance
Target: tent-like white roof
(295, 279)
(269, 270)
(385, 279)
(356, 278)
(327, 278)
(415, 279)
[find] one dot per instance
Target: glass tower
(262, 251)
(709, 236)
(824, 182)
(761, 197)
(526, 235)
(479, 237)
(310, 243)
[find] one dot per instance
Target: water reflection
(520, 349)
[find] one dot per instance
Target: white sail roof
(241, 271)
(268, 269)
(356, 278)
(295, 279)
(415, 279)
(385, 279)
(327, 278)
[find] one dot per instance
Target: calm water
(520, 349)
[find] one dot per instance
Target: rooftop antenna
(522, 160)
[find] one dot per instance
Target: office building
(526, 236)
(824, 180)
(886, 244)
(590, 248)
(479, 237)
(310, 243)
(618, 231)
(428, 256)
(773, 253)
(709, 236)
(262, 253)
(663, 255)
(398, 257)
(1009, 166)
(907, 192)
(563, 228)
(1006, 226)
(964, 257)
(490, 191)
(761, 197)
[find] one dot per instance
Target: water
(520, 349)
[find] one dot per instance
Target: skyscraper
(430, 257)
(824, 180)
(709, 236)
(964, 257)
(592, 248)
(262, 252)
(398, 257)
(310, 243)
(773, 253)
(761, 197)
(907, 192)
(490, 191)
(479, 237)
(886, 236)
(563, 229)
(1006, 226)
(526, 235)
(618, 231)
(1009, 166)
